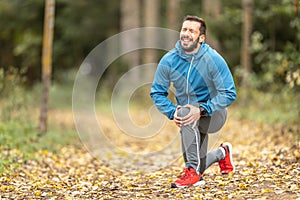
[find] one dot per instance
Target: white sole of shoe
(230, 154)
(199, 183)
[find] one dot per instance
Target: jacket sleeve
(224, 93)
(159, 91)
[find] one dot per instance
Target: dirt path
(267, 167)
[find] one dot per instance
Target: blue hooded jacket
(200, 78)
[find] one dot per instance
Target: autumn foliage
(267, 167)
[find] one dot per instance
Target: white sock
(223, 151)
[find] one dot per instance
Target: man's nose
(187, 33)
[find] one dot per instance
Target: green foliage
(81, 25)
(16, 127)
(21, 25)
(19, 141)
(19, 138)
(273, 92)
(277, 65)
(12, 96)
(269, 108)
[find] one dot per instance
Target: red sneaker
(189, 178)
(226, 164)
(183, 175)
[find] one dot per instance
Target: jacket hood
(179, 51)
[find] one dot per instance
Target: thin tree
(130, 19)
(46, 62)
(151, 15)
(212, 10)
(173, 20)
(246, 39)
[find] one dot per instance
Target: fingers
(177, 119)
(177, 123)
(189, 120)
(192, 117)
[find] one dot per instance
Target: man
(204, 88)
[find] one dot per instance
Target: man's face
(189, 35)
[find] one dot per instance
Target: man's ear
(201, 38)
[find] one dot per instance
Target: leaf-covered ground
(266, 158)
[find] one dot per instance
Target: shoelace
(184, 174)
(187, 174)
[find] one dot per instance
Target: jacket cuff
(207, 109)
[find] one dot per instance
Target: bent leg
(211, 125)
(213, 156)
(214, 123)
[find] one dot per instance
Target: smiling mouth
(186, 40)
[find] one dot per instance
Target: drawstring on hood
(179, 51)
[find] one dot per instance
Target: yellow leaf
(266, 191)
(230, 174)
(38, 193)
(249, 164)
(45, 152)
(242, 186)
(223, 183)
(3, 188)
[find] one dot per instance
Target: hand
(177, 119)
(193, 116)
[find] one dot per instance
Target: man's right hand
(177, 120)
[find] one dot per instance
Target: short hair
(197, 19)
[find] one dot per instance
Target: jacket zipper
(187, 80)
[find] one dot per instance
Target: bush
(19, 137)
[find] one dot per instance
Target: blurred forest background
(260, 40)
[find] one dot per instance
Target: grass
(19, 115)
(20, 140)
(20, 143)
(266, 107)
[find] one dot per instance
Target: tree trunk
(212, 10)
(173, 13)
(46, 61)
(130, 18)
(173, 21)
(151, 11)
(246, 41)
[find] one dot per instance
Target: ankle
(223, 152)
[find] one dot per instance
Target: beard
(188, 46)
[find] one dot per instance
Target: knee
(183, 112)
